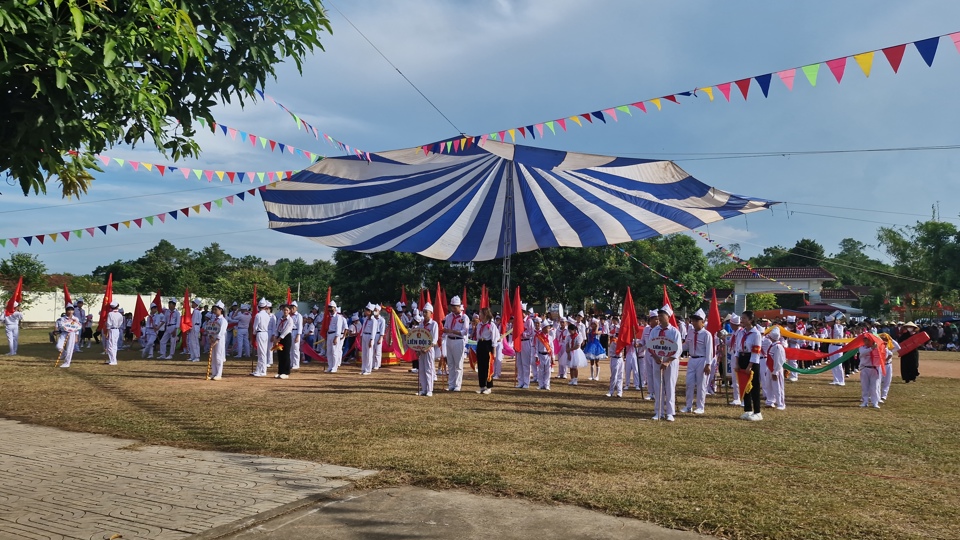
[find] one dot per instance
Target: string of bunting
(265, 142)
(232, 176)
(150, 220)
(681, 286)
(303, 124)
(927, 48)
(744, 263)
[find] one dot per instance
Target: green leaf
(108, 54)
(77, 20)
(61, 79)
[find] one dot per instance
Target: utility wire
(396, 68)
(98, 201)
(705, 156)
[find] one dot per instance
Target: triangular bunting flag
(672, 98)
(586, 116)
(523, 133)
(116, 226)
(233, 133)
(561, 121)
(744, 86)
(162, 218)
(103, 229)
(895, 56)
(3, 242)
(787, 77)
(230, 199)
(185, 211)
(40, 238)
(147, 166)
(764, 82)
(640, 105)
(65, 235)
(126, 224)
(811, 72)
(223, 128)
(118, 161)
(928, 49)
(104, 159)
(15, 242)
(611, 113)
(220, 175)
(198, 173)
(656, 101)
(709, 91)
(865, 61)
(53, 236)
(139, 222)
(599, 116)
(552, 130)
(209, 175)
(540, 128)
(513, 138)
(956, 40)
(207, 205)
(149, 219)
(240, 195)
(725, 89)
(162, 169)
(90, 230)
(577, 120)
(134, 164)
(232, 175)
(186, 173)
(837, 66)
(196, 208)
(78, 233)
(252, 191)
(263, 142)
(626, 109)
(173, 214)
(29, 240)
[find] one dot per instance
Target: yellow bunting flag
(656, 101)
(865, 61)
(709, 91)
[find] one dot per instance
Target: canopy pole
(507, 230)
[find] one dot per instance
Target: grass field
(823, 468)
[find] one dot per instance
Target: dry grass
(824, 468)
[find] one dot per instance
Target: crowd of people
(551, 346)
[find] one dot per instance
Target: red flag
(628, 324)
(506, 312)
(464, 299)
(484, 297)
(517, 321)
(421, 304)
(186, 320)
(289, 297)
(139, 314)
(105, 306)
(254, 308)
(441, 301)
(428, 300)
(714, 324)
(66, 295)
(17, 297)
(325, 326)
(158, 300)
(438, 315)
(666, 302)
(403, 296)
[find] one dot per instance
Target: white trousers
(193, 343)
(367, 344)
(168, 343)
(66, 344)
(886, 379)
(456, 349)
(427, 370)
(243, 343)
(776, 395)
(219, 356)
(734, 383)
(631, 369)
(647, 371)
(151, 340)
(616, 375)
(696, 383)
(378, 355)
(793, 374)
(110, 345)
(765, 382)
(497, 359)
(295, 351)
(870, 385)
(334, 352)
(543, 370)
(263, 353)
(838, 375)
(665, 381)
(524, 360)
(13, 338)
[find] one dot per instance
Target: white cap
(700, 314)
(114, 304)
(332, 304)
(666, 309)
(418, 318)
(530, 311)
(369, 306)
(220, 305)
(548, 322)
(580, 313)
(428, 307)
(174, 301)
(263, 303)
(791, 318)
(399, 306)
(455, 301)
(734, 319)
(653, 313)
(376, 308)
(829, 318)
(153, 305)
(355, 317)
(68, 306)
(269, 303)
(774, 333)
(413, 304)
(121, 310)
(537, 320)
(316, 306)
(571, 320)
(231, 305)
(79, 299)
(195, 301)
(523, 306)
(476, 316)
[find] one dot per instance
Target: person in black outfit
(285, 338)
(910, 362)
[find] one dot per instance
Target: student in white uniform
(69, 327)
(733, 349)
(381, 330)
(647, 363)
(11, 324)
(334, 338)
(219, 345)
(525, 355)
(748, 358)
(427, 370)
(168, 343)
(262, 333)
(113, 334)
(616, 368)
(81, 315)
(776, 357)
(243, 331)
(887, 378)
(456, 328)
(872, 359)
(575, 357)
(297, 331)
(836, 332)
(488, 334)
(155, 324)
(545, 354)
(699, 365)
(667, 365)
(193, 337)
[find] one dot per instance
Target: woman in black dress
(285, 339)
(910, 362)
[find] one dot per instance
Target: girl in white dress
(575, 356)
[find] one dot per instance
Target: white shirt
(338, 325)
(173, 319)
(752, 342)
(671, 333)
(13, 320)
(460, 324)
(488, 331)
(700, 344)
(243, 322)
(115, 321)
(261, 323)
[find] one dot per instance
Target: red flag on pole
(16, 297)
(158, 300)
(484, 297)
(666, 302)
(628, 324)
(714, 324)
(186, 321)
(428, 301)
(105, 306)
(517, 321)
(506, 312)
(440, 314)
(464, 299)
(403, 296)
(66, 295)
(325, 326)
(441, 301)
(140, 313)
(421, 304)
(289, 297)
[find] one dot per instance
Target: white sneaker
(685, 410)
(284, 376)
(479, 391)
(698, 411)
(781, 407)
(429, 394)
(737, 403)
(756, 417)
(669, 418)
(876, 406)
(608, 394)
(863, 403)
(486, 391)
(655, 418)
(217, 378)
(746, 416)
(647, 398)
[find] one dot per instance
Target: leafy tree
(929, 253)
(78, 77)
(23, 264)
(805, 252)
(758, 301)
(236, 285)
(852, 266)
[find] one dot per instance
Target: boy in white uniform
(70, 328)
(667, 363)
(699, 365)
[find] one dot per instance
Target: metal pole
(507, 229)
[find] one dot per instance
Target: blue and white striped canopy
(452, 206)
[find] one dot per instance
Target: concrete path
(408, 512)
(58, 484)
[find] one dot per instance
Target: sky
(493, 65)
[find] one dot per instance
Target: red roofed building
(807, 280)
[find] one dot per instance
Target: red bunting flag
(403, 296)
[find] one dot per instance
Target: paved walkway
(57, 484)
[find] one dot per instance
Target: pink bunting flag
(611, 112)
(233, 133)
(104, 159)
(787, 77)
(640, 106)
(186, 172)
(65, 236)
(956, 40)
(837, 66)
(207, 205)
(15, 241)
(163, 217)
(139, 222)
(209, 175)
(90, 230)
(725, 90)
(134, 164)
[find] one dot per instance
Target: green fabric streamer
(813, 371)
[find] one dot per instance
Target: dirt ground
(935, 364)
